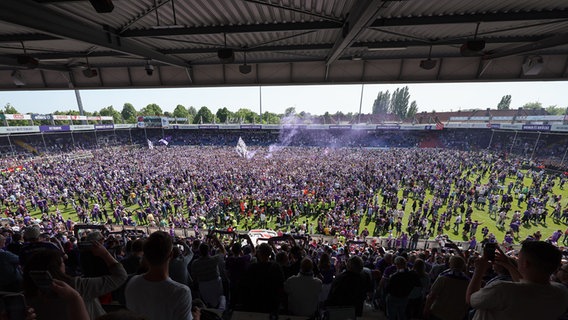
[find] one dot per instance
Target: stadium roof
(60, 44)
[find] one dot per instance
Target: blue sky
(313, 99)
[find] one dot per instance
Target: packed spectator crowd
(405, 194)
(308, 190)
(547, 148)
(91, 274)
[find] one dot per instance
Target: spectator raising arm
(481, 266)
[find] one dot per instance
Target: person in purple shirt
(472, 243)
(555, 236)
(404, 240)
(508, 239)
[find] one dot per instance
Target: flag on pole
(150, 144)
(241, 148)
(439, 124)
(163, 141)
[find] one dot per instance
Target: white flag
(241, 148)
(150, 144)
(163, 141)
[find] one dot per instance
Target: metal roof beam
(443, 42)
(55, 1)
(7, 38)
(32, 15)
(274, 27)
(324, 25)
(360, 17)
(370, 45)
(293, 9)
(471, 18)
(323, 46)
(304, 59)
(74, 54)
(550, 42)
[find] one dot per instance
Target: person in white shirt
(154, 294)
(531, 295)
(303, 290)
(457, 223)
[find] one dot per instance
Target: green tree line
(398, 103)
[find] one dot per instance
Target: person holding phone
(48, 303)
(530, 296)
(59, 301)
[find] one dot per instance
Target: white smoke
(290, 128)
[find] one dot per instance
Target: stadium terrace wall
(379, 127)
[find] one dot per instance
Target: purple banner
(494, 125)
(208, 126)
(536, 127)
(341, 127)
(251, 126)
(387, 127)
(54, 128)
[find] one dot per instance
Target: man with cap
(32, 243)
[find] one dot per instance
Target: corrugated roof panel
(123, 11)
(240, 40)
(306, 46)
(8, 28)
(419, 8)
(137, 14)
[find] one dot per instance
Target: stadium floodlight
(18, 79)
(245, 68)
(102, 6)
(149, 68)
(473, 47)
(89, 72)
(533, 66)
(428, 64)
(226, 55)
